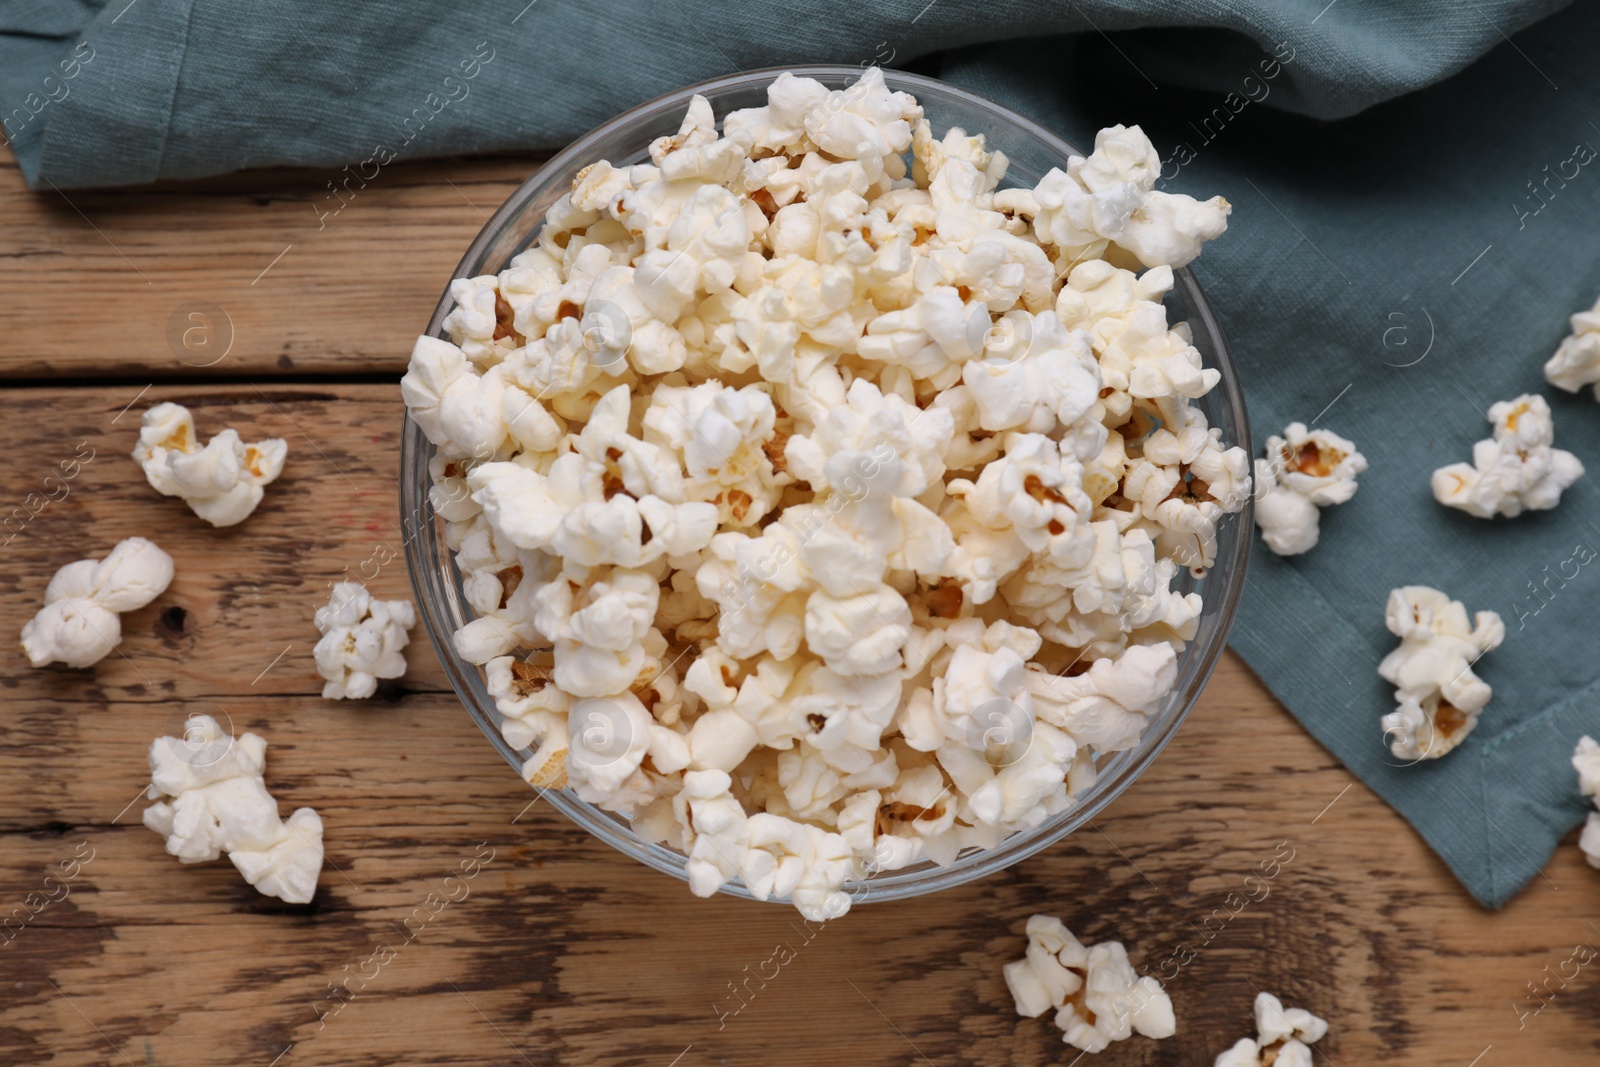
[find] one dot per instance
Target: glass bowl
(1033, 151)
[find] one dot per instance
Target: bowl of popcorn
(828, 485)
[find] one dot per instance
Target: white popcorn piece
(1053, 381)
(1305, 471)
(535, 711)
(1576, 362)
(1140, 357)
(722, 435)
(363, 640)
(1097, 996)
(1438, 694)
(479, 324)
(867, 122)
(1284, 1037)
(221, 482)
(1517, 468)
(211, 799)
(1586, 761)
(1589, 840)
(79, 624)
(1110, 197)
(458, 409)
(287, 868)
(783, 482)
(1183, 484)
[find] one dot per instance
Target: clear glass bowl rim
(440, 605)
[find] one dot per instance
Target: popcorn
(1053, 382)
(1576, 362)
(1139, 356)
(211, 799)
(288, 867)
(1097, 996)
(776, 475)
(222, 482)
(1305, 470)
(1283, 1037)
(459, 410)
(536, 713)
(867, 123)
(1439, 696)
(363, 639)
(860, 634)
(722, 436)
(1586, 761)
(1517, 468)
(1110, 197)
(1183, 484)
(79, 623)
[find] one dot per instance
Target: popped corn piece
(363, 640)
(211, 799)
(1516, 468)
(1586, 761)
(79, 624)
(535, 716)
(1438, 694)
(221, 482)
(1305, 471)
(1097, 996)
(1589, 840)
(1110, 197)
(1047, 378)
(867, 122)
(1283, 1037)
(287, 868)
(480, 324)
(1107, 706)
(1576, 362)
(1140, 357)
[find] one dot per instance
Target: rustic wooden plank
(106, 281)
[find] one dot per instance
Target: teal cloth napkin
(1388, 275)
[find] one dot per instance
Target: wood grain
(559, 950)
(275, 281)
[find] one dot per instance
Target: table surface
(235, 297)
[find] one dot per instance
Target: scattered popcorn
(221, 482)
(1093, 990)
(823, 515)
(1305, 471)
(1577, 362)
(1517, 468)
(1438, 694)
(79, 623)
(1586, 761)
(363, 639)
(1284, 1037)
(211, 799)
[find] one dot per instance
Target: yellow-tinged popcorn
(221, 482)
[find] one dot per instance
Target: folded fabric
(1389, 276)
(133, 90)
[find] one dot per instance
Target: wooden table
(232, 297)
